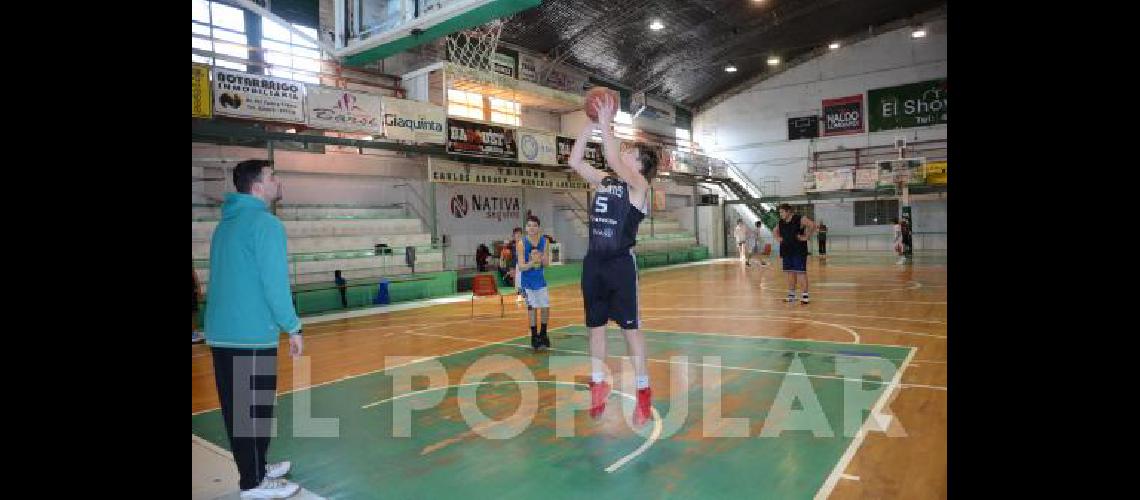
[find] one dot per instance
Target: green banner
(913, 105)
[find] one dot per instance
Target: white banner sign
(479, 209)
(866, 178)
(833, 180)
(459, 173)
(261, 97)
(341, 109)
(414, 121)
(532, 68)
(537, 147)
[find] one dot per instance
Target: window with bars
(504, 111)
(289, 55)
(220, 29)
(875, 212)
(471, 105)
(465, 104)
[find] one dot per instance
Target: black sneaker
(535, 342)
(544, 340)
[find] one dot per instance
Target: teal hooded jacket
(248, 303)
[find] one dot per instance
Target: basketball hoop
(470, 51)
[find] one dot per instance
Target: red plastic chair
(483, 285)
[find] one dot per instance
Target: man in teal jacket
(248, 305)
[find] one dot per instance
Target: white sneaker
(272, 488)
(901, 261)
(277, 470)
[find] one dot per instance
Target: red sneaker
(599, 393)
(642, 412)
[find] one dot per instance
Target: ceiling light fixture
(730, 68)
(833, 46)
(918, 33)
(773, 60)
(656, 25)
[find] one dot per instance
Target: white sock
(642, 381)
(598, 377)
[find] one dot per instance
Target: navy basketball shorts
(609, 290)
(795, 263)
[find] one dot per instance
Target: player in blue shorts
(533, 258)
(609, 271)
(793, 233)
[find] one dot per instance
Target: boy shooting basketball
(609, 272)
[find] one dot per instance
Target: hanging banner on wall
(503, 64)
(537, 147)
(592, 156)
(416, 121)
(843, 116)
(659, 110)
(243, 95)
(665, 159)
(913, 105)
(834, 179)
(459, 173)
(340, 109)
(200, 95)
(803, 127)
(682, 162)
(531, 69)
(480, 139)
(475, 209)
(866, 178)
(936, 172)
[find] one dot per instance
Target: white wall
(750, 128)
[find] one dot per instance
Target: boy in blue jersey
(609, 271)
(533, 258)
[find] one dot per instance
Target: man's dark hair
(247, 173)
(786, 207)
(533, 218)
(757, 223)
(649, 162)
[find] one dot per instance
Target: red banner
(843, 116)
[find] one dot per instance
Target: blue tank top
(533, 279)
(613, 219)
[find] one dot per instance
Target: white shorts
(537, 298)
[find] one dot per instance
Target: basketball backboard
(368, 30)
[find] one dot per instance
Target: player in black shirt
(793, 233)
(609, 272)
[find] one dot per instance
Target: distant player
(533, 258)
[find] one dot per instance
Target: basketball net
(470, 51)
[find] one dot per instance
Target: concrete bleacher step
(331, 211)
(331, 227)
(322, 270)
(201, 249)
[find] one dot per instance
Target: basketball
(594, 97)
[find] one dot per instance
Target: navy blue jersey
(613, 218)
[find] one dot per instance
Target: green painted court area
(444, 456)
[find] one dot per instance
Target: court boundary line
(832, 480)
(729, 367)
(654, 435)
(370, 372)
